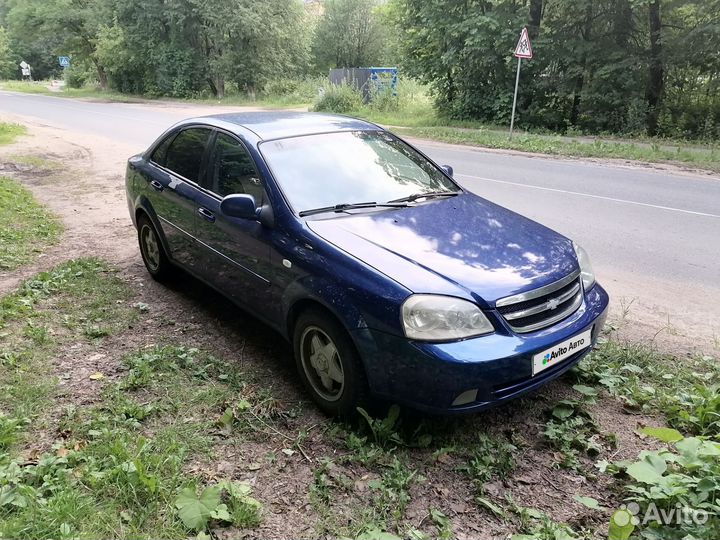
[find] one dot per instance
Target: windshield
(329, 169)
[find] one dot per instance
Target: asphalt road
(652, 234)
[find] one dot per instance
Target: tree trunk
(536, 8)
(212, 86)
(623, 24)
(577, 92)
(220, 87)
(654, 91)
(102, 76)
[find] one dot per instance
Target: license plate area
(560, 351)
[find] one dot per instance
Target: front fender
(324, 292)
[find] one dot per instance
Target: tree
(248, 41)
(7, 59)
(621, 66)
(463, 48)
(349, 34)
(62, 27)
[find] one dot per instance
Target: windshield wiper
(351, 206)
(427, 195)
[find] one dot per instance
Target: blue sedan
(387, 277)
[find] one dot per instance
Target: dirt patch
(86, 192)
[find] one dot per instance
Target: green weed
(390, 498)
(536, 525)
(226, 502)
(676, 490)
(572, 431)
(685, 390)
(490, 458)
(328, 478)
(443, 524)
(387, 432)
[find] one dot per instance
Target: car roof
(279, 124)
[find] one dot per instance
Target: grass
(654, 152)
(48, 310)
(139, 457)
(88, 92)
(10, 132)
(116, 468)
(36, 162)
(93, 93)
(27, 228)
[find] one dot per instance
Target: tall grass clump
(339, 98)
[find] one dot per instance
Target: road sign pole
(517, 81)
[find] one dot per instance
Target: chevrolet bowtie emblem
(552, 303)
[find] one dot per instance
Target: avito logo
(561, 351)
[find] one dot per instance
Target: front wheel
(152, 251)
(328, 364)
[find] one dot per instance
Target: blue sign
(64, 61)
(382, 78)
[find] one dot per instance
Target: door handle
(157, 186)
(207, 214)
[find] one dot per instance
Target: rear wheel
(152, 251)
(329, 364)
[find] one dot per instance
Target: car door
(237, 259)
(173, 190)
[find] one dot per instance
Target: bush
(294, 90)
(75, 77)
(339, 99)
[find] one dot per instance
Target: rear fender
(142, 206)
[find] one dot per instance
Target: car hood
(464, 245)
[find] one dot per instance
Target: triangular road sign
(524, 48)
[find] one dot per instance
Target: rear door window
(185, 154)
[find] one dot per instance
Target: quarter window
(233, 170)
(160, 153)
(185, 154)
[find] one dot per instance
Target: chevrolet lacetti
(387, 277)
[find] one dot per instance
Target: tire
(328, 364)
(152, 251)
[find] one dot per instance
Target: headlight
(586, 270)
(430, 317)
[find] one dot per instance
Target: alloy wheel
(322, 363)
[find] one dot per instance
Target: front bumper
(430, 376)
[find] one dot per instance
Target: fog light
(468, 396)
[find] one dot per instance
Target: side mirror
(448, 170)
(239, 206)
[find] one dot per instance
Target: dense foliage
(621, 66)
(600, 66)
(162, 47)
(349, 34)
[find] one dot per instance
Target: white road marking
(624, 201)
